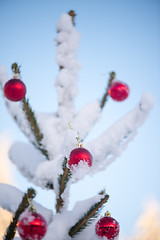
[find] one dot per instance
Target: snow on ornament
(80, 154)
(14, 90)
(31, 226)
(107, 227)
(118, 91)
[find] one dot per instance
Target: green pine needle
(88, 217)
(63, 180)
(64, 177)
(34, 126)
(10, 233)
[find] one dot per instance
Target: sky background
(116, 35)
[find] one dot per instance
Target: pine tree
(54, 136)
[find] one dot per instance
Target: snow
(59, 139)
(86, 118)
(105, 149)
(147, 102)
(114, 141)
(48, 172)
(67, 45)
(64, 23)
(26, 217)
(64, 221)
(59, 227)
(15, 108)
(80, 170)
(11, 198)
(28, 162)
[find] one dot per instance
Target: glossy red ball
(107, 227)
(118, 91)
(31, 226)
(80, 154)
(14, 90)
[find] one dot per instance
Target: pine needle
(88, 217)
(105, 96)
(34, 126)
(10, 233)
(63, 179)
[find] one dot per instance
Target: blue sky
(116, 35)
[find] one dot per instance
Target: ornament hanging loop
(79, 143)
(16, 70)
(31, 208)
(107, 214)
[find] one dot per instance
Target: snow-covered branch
(67, 41)
(105, 149)
(26, 158)
(11, 198)
(85, 119)
(16, 109)
(112, 142)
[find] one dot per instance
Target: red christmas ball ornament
(107, 227)
(118, 91)
(14, 90)
(80, 154)
(31, 226)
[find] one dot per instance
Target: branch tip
(72, 14)
(15, 68)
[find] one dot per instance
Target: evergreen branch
(88, 217)
(34, 126)
(104, 98)
(63, 179)
(10, 233)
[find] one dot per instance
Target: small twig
(60, 201)
(15, 68)
(10, 233)
(63, 179)
(34, 126)
(59, 204)
(104, 98)
(72, 14)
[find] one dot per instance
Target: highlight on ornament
(118, 91)
(14, 89)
